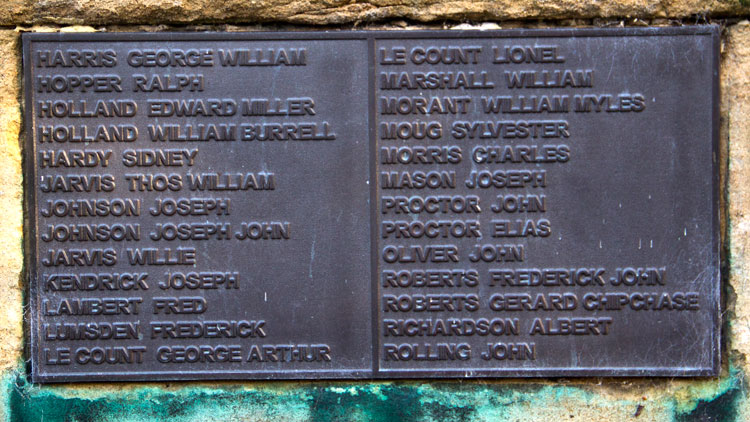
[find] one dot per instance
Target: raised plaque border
(29, 169)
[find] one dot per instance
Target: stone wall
(656, 399)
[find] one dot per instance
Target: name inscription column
(192, 204)
(502, 212)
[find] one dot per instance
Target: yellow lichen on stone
(51, 28)
(78, 28)
(11, 202)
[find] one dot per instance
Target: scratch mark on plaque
(208, 257)
(611, 68)
(273, 80)
(312, 258)
(634, 61)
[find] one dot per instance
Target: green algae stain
(418, 402)
(376, 402)
(43, 404)
(408, 401)
(49, 409)
(698, 396)
(399, 405)
(26, 406)
(723, 408)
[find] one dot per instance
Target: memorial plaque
(372, 204)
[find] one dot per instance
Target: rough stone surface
(11, 202)
(334, 12)
(736, 93)
(14, 12)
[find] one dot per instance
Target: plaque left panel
(198, 207)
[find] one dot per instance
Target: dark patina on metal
(372, 204)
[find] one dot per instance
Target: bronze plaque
(372, 204)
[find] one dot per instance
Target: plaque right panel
(547, 205)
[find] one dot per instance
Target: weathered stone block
(332, 12)
(736, 113)
(11, 202)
